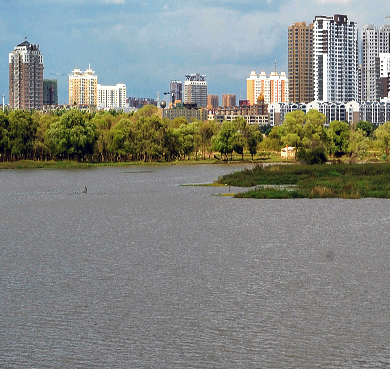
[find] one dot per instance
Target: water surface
(141, 272)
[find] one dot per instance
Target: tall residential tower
(374, 41)
(336, 59)
(26, 77)
(83, 87)
(300, 62)
(195, 90)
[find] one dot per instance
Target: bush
(312, 156)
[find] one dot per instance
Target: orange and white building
(274, 88)
(83, 87)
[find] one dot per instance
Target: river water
(140, 272)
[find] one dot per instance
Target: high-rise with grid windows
(300, 62)
(26, 77)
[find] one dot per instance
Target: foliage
(338, 134)
(340, 180)
(366, 127)
(358, 143)
(315, 155)
(22, 129)
(382, 134)
(224, 140)
(72, 136)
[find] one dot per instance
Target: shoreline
(70, 164)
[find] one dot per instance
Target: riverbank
(347, 181)
(69, 164)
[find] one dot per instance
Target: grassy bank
(236, 159)
(348, 181)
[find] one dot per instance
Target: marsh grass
(347, 181)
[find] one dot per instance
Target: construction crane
(173, 97)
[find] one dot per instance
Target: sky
(147, 43)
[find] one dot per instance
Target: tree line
(116, 136)
(145, 136)
(314, 141)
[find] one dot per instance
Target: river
(142, 272)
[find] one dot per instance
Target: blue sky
(146, 44)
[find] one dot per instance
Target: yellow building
(83, 87)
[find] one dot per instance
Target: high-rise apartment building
(374, 41)
(300, 62)
(83, 87)
(273, 88)
(26, 77)
(212, 101)
(335, 59)
(382, 74)
(195, 90)
(111, 96)
(50, 92)
(228, 100)
(176, 88)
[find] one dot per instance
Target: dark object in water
(85, 190)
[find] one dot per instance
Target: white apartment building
(335, 59)
(83, 87)
(374, 41)
(111, 96)
(273, 88)
(195, 90)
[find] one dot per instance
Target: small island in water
(347, 181)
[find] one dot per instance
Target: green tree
(72, 136)
(338, 134)
(207, 130)
(224, 140)
(121, 142)
(5, 145)
(291, 131)
(23, 126)
(358, 143)
(382, 134)
(254, 137)
(366, 127)
(272, 141)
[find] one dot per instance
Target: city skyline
(146, 45)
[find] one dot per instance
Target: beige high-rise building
(26, 77)
(300, 62)
(83, 87)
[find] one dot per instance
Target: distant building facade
(139, 102)
(195, 90)
(83, 87)
(111, 96)
(26, 77)
(273, 88)
(346, 112)
(253, 114)
(50, 92)
(188, 111)
(300, 62)
(228, 100)
(176, 91)
(382, 77)
(212, 101)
